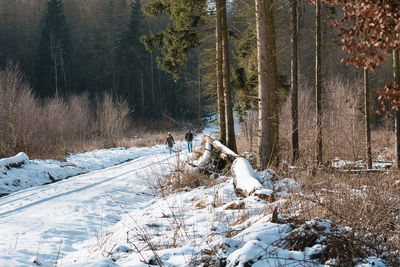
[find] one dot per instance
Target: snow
(113, 215)
(39, 172)
(20, 158)
(205, 157)
(245, 176)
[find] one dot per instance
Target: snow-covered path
(37, 221)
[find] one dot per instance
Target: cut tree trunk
(202, 162)
(244, 177)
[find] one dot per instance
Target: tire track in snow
(79, 189)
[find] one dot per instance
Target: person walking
(170, 142)
(189, 139)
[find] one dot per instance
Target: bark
(318, 80)
(142, 91)
(231, 142)
(267, 85)
(199, 85)
(205, 158)
(367, 120)
(273, 81)
(396, 79)
(220, 77)
(223, 149)
(294, 84)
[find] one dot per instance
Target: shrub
(53, 126)
(112, 119)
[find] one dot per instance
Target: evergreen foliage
(53, 53)
(179, 37)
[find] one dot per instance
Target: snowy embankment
(208, 227)
(18, 172)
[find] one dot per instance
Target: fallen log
(244, 177)
(203, 161)
(225, 150)
(205, 158)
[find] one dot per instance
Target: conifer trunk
(396, 80)
(220, 77)
(273, 82)
(294, 84)
(318, 80)
(267, 124)
(231, 139)
(366, 120)
(231, 142)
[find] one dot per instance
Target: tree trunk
(366, 120)
(231, 142)
(267, 84)
(264, 131)
(273, 81)
(142, 92)
(318, 80)
(199, 85)
(220, 77)
(153, 97)
(294, 84)
(396, 80)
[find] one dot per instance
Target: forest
(293, 108)
(300, 79)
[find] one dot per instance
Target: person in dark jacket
(189, 139)
(170, 142)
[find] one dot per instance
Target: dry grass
(368, 203)
(181, 180)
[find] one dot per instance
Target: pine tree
(179, 37)
(53, 53)
(132, 57)
(111, 21)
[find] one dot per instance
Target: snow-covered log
(225, 150)
(220, 147)
(205, 158)
(244, 177)
(14, 161)
(203, 161)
